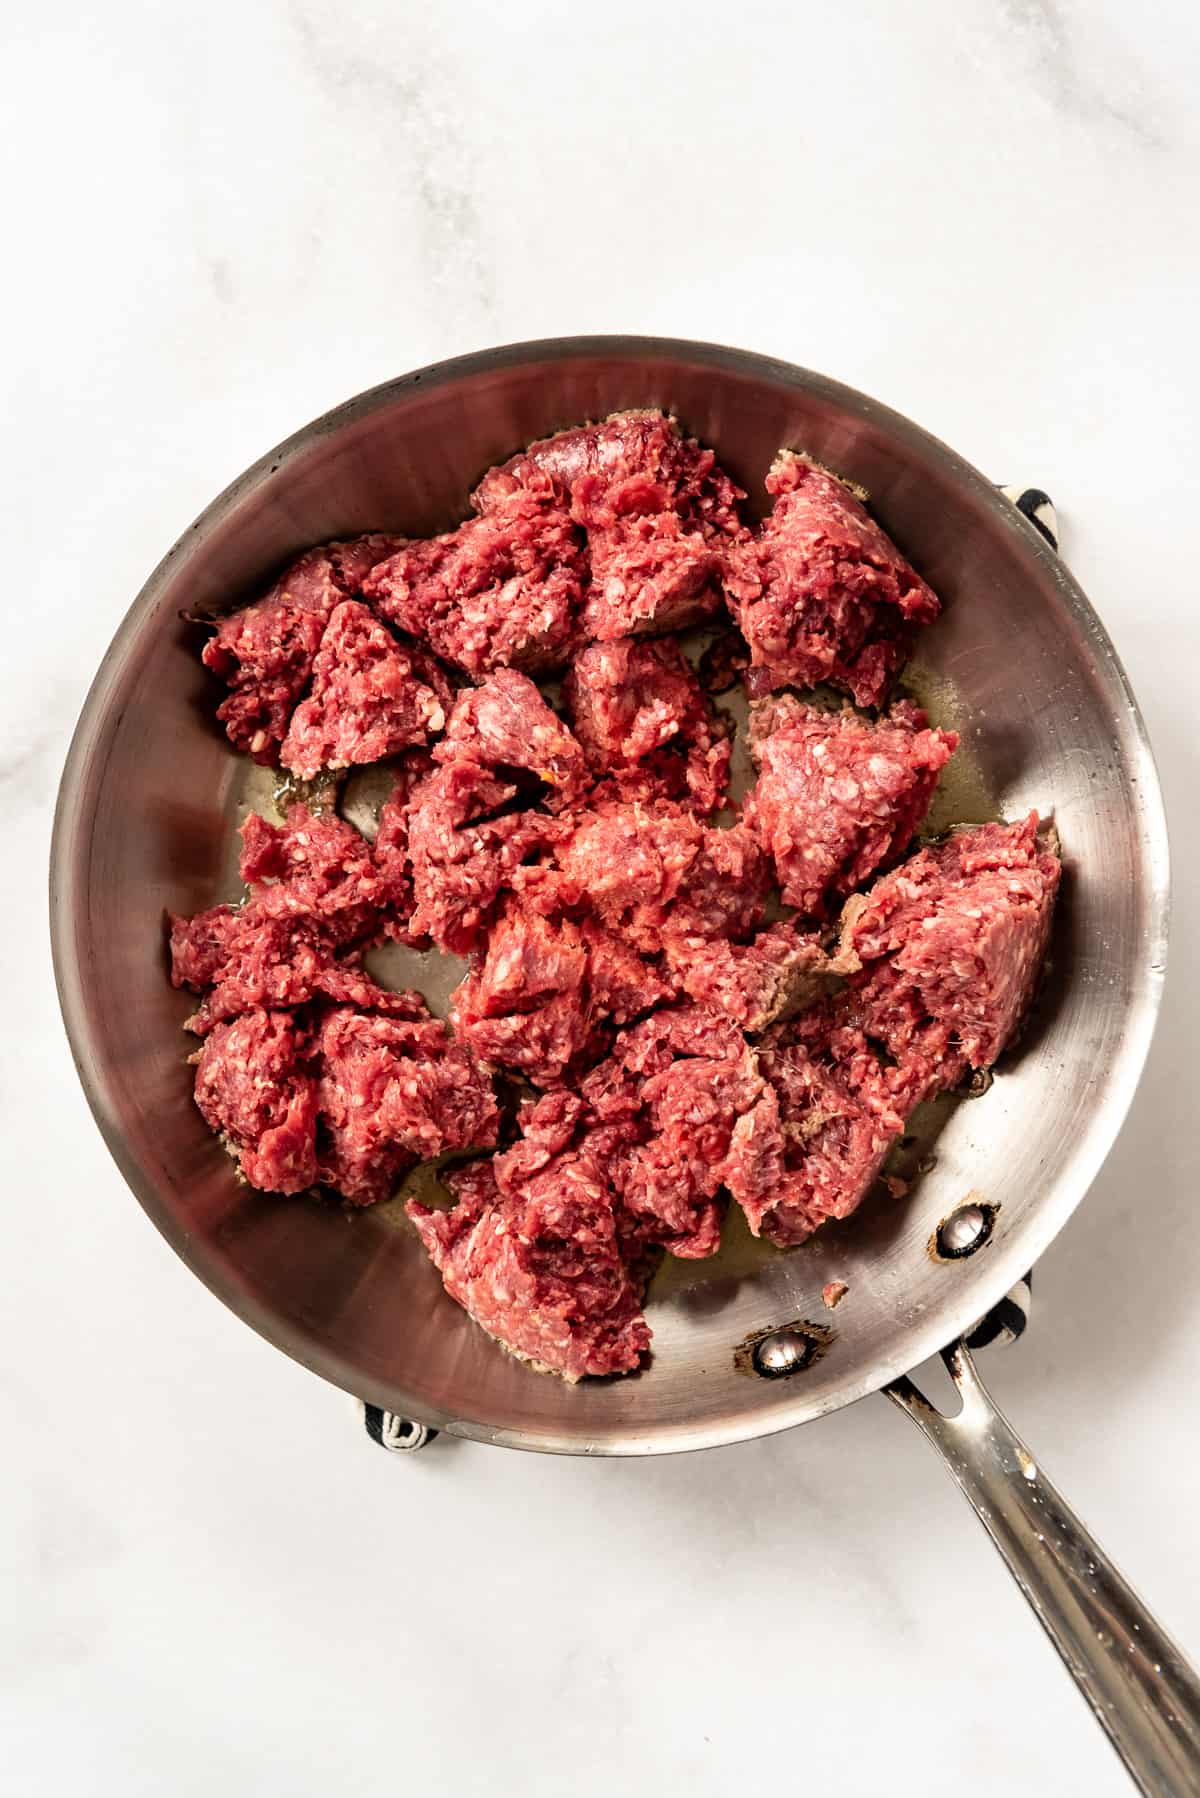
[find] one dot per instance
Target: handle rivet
(964, 1231)
(782, 1353)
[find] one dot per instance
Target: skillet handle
(1142, 1690)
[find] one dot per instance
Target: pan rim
(71, 848)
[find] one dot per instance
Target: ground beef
(314, 865)
(199, 946)
(248, 960)
(505, 726)
(838, 796)
(655, 872)
(724, 894)
(547, 1125)
(622, 984)
(649, 573)
(526, 1004)
(631, 464)
(255, 1087)
(637, 708)
(622, 959)
(371, 696)
(351, 559)
(921, 1054)
(667, 1102)
(391, 853)
(540, 1267)
(464, 849)
(250, 964)
(541, 997)
(658, 511)
(822, 593)
(951, 944)
(315, 890)
(963, 927)
(779, 970)
(345, 981)
(392, 1092)
(501, 591)
(812, 1149)
(629, 863)
(265, 652)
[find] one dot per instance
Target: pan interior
(153, 795)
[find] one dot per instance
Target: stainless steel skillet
(1020, 664)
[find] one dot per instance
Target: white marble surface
(225, 219)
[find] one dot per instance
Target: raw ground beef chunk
(629, 863)
(540, 996)
(658, 511)
(632, 463)
(665, 1105)
(963, 928)
(723, 895)
(390, 850)
(649, 573)
(314, 867)
(814, 1146)
(351, 1085)
(266, 651)
(472, 825)
(249, 961)
(921, 1054)
(621, 983)
(505, 726)
(538, 1264)
(315, 896)
(464, 847)
(371, 696)
(950, 944)
(638, 709)
(822, 593)
(393, 1092)
(255, 1088)
(501, 591)
(525, 1005)
(346, 982)
(660, 878)
(838, 796)
(756, 983)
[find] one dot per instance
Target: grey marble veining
(399, 85)
(1081, 77)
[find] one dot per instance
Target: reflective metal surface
(1019, 664)
(1143, 1693)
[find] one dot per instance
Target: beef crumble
(821, 592)
(266, 652)
(837, 795)
(639, 712)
